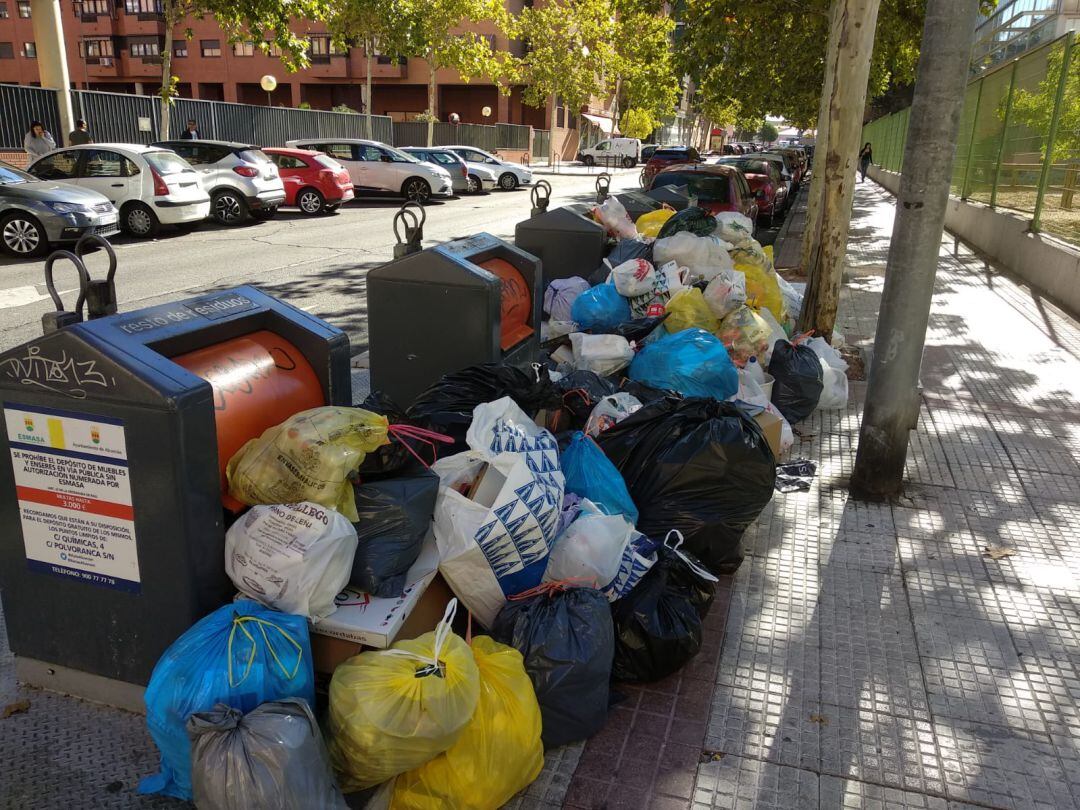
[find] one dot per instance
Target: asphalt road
(318, 264)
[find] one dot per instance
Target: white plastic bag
(611, 410)
(726, 292)
(601, 354)
(693, 252)
(637, 558)
(776, 333)
(591, 548)
(612, 215)
(731, 226)
(560, 295)
(549, 330)
(634, 277)
(292, 557)
(792, 295)
(834, 392)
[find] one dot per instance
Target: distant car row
(137, 188)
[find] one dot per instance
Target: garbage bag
(591, 475)
(394, 518)
(731, 226)
(633, 277)
(834, 392)
(609, 411)
(242, 655)
(497, 755)
(581, 392)
(292, 557)
(645, 393)
(590, 551)
(612, 215)
(692, 362)
(273, 758)
(666, 282)
(637, 330)
(393, 710)
(694, 219)
(650, 223)
(799, 380)
(762, 291)
(726, 292)
(601, 354)
(687, 310)
(776, 332)
(560, 295)
(793, 297)
(625, 249)
(697, 253)
(745, 334)
(696, 465)
(391, 458)
(600, 308)
(568, 643)
(308, 457)
(639, 555)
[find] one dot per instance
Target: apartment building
(1017, 26)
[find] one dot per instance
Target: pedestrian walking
(192, 131)
(38, 141)
(80, 135)
(866, 157)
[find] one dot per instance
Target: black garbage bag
(580, 392)
(447, 406)
(394, 518)
(799, 380)
(392, 458)
(626, 249)
(646, 393)
(693, 218)
(697, 465)
(658, 626)
(567, 641)
(637, 329)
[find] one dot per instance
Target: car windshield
(672, 154)
(400, 157)
(166, 163)
(328, 162)
(254, 156)
(750, 166)
(703, 186)
(445, 158)
(9, 175)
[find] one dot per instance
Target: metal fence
(541, 143)
(21, 105)
(1019, 144)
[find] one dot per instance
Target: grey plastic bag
(273, 758)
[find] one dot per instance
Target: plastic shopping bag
(292, 557)
(633, 277)
(834, 392)
(692, 362)
(590, 475)
(776, 332)
(693, 252)
(273, 758)
(393, 710)
(609, 411)
(612, 215)
(726, 292)
(745, 334)
(308, 457)
(650, 223)
(497, 755)
(601, 354)
(687, 310)
(731, 226)
(590, 551)
(600, 308)
(560, 295)
(242, 655)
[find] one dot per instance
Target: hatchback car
(374, 166)
(509, 175)
(791, 166)
(471, 180)
(669, 156)
(314, 183)
(764, 178)
(150, 186)
(35, 214)
(713, 187)
(647, 151)
(241, 180)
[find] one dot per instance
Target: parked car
(789, 169)
(314, 183)
(791, 163)
(624, 152)
(240, 179)
(669, 156)
(714, 187)
(374, 166)
(37, 214)
(471, 179)
(509, 175)
(647, 150)
(150, 186)
(764, 178)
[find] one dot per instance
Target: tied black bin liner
(694, 219)
(799, 380)
(392, 458)
(394, 518)
(567, 641)
(658, 626)
(581, 391)
(698, 466)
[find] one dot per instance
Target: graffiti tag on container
(62, 375)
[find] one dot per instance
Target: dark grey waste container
(114, 440)
(678, 197)
(475, 300)
(637, 203)
(567, 241)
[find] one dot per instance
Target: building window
(6, 51)
(180, 50)
(3, 11)
(210, 47)
(142, 6)
(29, 50)
(92, 8)
(24, 9)
(243, 49)
(145, 48)
(323, 47)
(95, 48)
(273, 49)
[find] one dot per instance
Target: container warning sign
(71, 478)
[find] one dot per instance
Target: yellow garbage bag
(762, 288)
(308, 457)
(393, 710)
(687, 309)
(498, 754)
(650, 224)
(745, 333)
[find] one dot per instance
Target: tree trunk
(166, 80)
(551, 134)
(432, 112)
(369, 47)
(856, 21)
(892, 399)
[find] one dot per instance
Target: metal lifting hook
(54, 321)
(412, 223)
(603, 186)
(541, 196)
(100, 293)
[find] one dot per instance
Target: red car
(715, 187)
(314, 183)
(765, 181)
(669, 156)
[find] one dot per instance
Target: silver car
(35, 214)
(471, 179)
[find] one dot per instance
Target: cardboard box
(770, 426)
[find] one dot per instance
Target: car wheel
(228, 208)
(136, 219)
(628, 162)
(475, 186)
(22, 235)
(416, 189)
(589, 160)
(265, 213)
(508, 182)
(310, 201)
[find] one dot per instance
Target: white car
(470, 178)
(374, 166)
(625, 152)
(150, 186)
(510, 175)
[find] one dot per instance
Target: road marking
(21, 296)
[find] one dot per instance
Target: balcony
(388, 67)
(99, 66)
(328, 66)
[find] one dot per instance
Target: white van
(623, 152)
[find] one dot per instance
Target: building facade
(1017, 26)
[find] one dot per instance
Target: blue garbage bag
(590, 474)
(242, 655)
(693, 362)
(600, 308)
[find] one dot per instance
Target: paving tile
(851, 794)
(739, 783)
(964, 691)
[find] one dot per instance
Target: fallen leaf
(18, 707)
(820, 719)
(711, 756)
(998, 552)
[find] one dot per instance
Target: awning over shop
(600, 121)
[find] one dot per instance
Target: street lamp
(269, 84)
